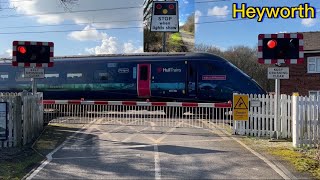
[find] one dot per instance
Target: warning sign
(165, 17)
(240, 107)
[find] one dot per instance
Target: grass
(15, 163)
(303, 160)
(175, 42)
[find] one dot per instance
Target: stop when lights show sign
(165, 17)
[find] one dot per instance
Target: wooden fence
(306, 121)
(21, 118)
(262, 122)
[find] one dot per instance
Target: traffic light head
(32, 52)
(280, 48)
(165, 8)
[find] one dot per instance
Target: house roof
(311, 41)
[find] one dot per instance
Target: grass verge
(302, 160)
(175, 42)
(15, 163)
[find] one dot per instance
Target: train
(181, 77)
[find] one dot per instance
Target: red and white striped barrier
(140, 103)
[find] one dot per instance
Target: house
(305, 78)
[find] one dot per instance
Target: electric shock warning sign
(165, 17)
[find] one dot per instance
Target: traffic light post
(280, 49)
(164, 40)
(164, 19)
(32, 56)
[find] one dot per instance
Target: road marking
(213, 140)
(111, 146)
(49, 156)
(157, 169)
(269, 163)
(93, 157)
(134, 135)
(165, 134)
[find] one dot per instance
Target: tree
(245, 58)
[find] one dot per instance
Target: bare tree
(245, 58)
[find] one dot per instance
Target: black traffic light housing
(280, 48)
(165, 8)
(27, 52)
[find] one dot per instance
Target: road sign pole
(276, 107)
(164, 40)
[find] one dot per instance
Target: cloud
(6, 54)
(95, 13)
(129, 48)
(218, 11)
(110, 45)
(88, 33)
(185, 1)
(308, 22)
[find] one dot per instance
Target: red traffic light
(272, 44)
(22, 49)
(171, 6)
(158, 6)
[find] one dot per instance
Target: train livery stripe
(141, 103)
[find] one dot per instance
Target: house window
(314, 94)
(313, 64)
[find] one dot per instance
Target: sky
(109, 26)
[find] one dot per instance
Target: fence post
(295, 115)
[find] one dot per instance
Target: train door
(192, 79)
(144, 80)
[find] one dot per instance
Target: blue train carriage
(191, 77)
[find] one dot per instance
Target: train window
(210, 67)
(51, 75)
(144, 73)
(103, 76)
(4, 76)
(74, 75)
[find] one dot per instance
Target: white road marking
(134, 135)
(165, 134)
(49, 156)
(93, 157)
(157, 169)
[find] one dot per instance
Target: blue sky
(225, 34)
(97, 38)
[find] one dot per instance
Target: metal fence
(168, 114)
(21, 118)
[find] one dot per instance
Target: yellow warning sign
(240, 107)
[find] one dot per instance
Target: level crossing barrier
(169, 114)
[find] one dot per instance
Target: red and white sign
(26, 64)
(214, 77)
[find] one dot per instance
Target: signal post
(33, 56)
(278, 49)
(165, 18)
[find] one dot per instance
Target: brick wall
(300, 81)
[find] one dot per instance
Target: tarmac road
(104, 151)
(188, 41)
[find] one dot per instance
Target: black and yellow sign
(240, 107)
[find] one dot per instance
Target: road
(106, 151)
(188, 40)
